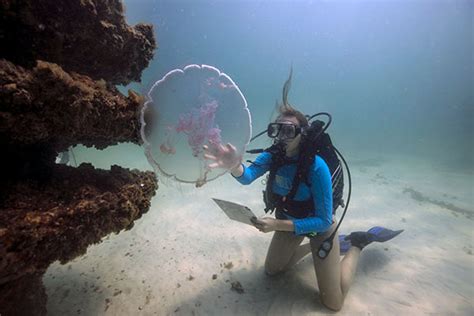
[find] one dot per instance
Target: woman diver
(308, 212)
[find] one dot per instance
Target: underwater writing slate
(236, 212)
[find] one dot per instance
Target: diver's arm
(255, 170)
(321, 189)
(237, 171)
(284, 225)
(227, 157)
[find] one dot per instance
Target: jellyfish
(187, 109)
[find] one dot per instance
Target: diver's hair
(287, 87)
(285, 109)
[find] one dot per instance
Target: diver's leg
(328, 272)
(334, 276)
(359, 240)
(348, 268)
(300, 252)
(284, 252)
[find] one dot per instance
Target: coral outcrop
(69, 109)
(59, 62)
(90, 37)
(58, 219)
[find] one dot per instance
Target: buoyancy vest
(314, 142)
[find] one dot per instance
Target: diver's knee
(334, 304)
(272, 270)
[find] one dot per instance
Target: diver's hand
(265, 224)
(225, 157)
(269, 224)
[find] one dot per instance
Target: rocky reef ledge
(59, 64)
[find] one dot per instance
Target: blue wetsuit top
(320, 189)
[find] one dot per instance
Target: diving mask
(283, 130)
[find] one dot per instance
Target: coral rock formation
(59, 62)
(57, 220)
(90, 37)
(70, 109)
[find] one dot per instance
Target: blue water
(397, 76)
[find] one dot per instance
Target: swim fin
(382, 234)
(362, 239)
(344, 244)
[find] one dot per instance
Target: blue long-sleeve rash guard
(320, 189)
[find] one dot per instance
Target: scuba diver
(304, 189)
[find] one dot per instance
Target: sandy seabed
(185, 257)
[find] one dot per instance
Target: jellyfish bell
(187, 109)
